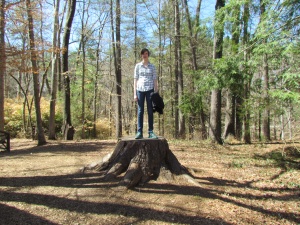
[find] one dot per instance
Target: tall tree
(2, 62)
(215, 106)
(35, 72)
(68, 129)
(118, 71)
(193, 41)
(160, 63)
(247, 84)
(266, 112)
(232, 92)
(178, 74)
(54, 72)
(83, 40)
(97, 74)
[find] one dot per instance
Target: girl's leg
(141, 100)
(150, 111)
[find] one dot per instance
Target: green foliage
(191, 103)
(236, 164)
(286, 96)
(226, 73)
(287, 158)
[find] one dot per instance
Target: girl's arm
(155, 85)
(134, 89)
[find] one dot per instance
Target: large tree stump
(141, 160)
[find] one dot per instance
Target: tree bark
(179, 117)
(68, 129)
(232, 92)
(35, 72)
(266, 112)
(83, 41)
(141, 160)
(52, 135)
(215, 110)
(229, 128)
(247, 85)
(2, 62)
(118, 69)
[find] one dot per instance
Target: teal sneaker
(138, 135)
(152, 135)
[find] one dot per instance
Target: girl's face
(145, 55)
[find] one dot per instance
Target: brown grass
(239, 184)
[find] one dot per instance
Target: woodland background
(226, 68)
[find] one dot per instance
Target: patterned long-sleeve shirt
(145, 75)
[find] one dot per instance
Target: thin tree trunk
(266, 111)
(176, 97)
(2, 62)
(178, 73)
(290, 124)
(68, 129)
(83, 41)
(118, 71)
(193, 47)
(35, 73)
(59, 56)
(160, 69)
(136, 58)
(247, 133)
(52, 135)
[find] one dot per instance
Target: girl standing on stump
(145, 82)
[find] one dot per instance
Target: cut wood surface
(141, 160)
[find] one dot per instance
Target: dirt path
(239, 184)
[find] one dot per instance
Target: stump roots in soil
(141, 160)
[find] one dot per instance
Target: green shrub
(17, 121)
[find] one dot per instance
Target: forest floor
(238, 184)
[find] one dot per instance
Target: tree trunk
(247, 133)
(229, 128)
(215, 125)
(68, 129)
(215, 117)
(266, 110)
(118, 71)
(35, 73)
(161, 45)
(247, 85)
(117, 64)
(96, 88)
(179, 75)
(52, 135)
(2, 62)
(83, 41)
(232, 92)
(193, 48)
(141, 160)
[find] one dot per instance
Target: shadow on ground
(93, 180)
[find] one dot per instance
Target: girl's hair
(145, 50)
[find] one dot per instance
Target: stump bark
(142, 160)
